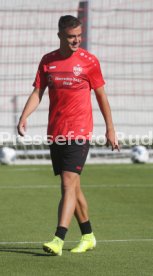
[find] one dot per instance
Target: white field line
(108, 186)
(30, 169)
(35, 168)
(98, 241)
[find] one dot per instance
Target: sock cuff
(61, 232)
(62, 227)
(85, 227)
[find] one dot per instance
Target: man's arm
(31, 104)
(106, 112)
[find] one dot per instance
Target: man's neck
(66, 53)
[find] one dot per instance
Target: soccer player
(70, 73)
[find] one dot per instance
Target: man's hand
(112, 139)
(22, 127)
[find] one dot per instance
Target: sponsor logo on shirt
(77, 70)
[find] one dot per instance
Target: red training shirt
(69, 82)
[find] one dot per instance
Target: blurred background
(118, 32)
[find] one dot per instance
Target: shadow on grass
(27, 251)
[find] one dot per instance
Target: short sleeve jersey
(69, 82)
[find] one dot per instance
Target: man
(70, 73)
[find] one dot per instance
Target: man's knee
(69, 180)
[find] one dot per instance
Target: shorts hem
(67, 170)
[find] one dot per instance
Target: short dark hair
(68, 21)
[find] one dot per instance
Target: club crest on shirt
(77, 70)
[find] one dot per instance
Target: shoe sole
(85, 251)
(50, 251)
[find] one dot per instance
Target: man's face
(70, 39)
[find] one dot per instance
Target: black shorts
(69, 157)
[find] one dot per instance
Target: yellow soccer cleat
(54, 247)
(88, 242)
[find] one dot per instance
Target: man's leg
(66, 209)
(72, 202)
(81, 209)
(69, 182)
(88, 240)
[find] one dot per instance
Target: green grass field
(120, 201)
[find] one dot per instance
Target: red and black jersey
(69, 82)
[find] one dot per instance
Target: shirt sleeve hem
(99, 85)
